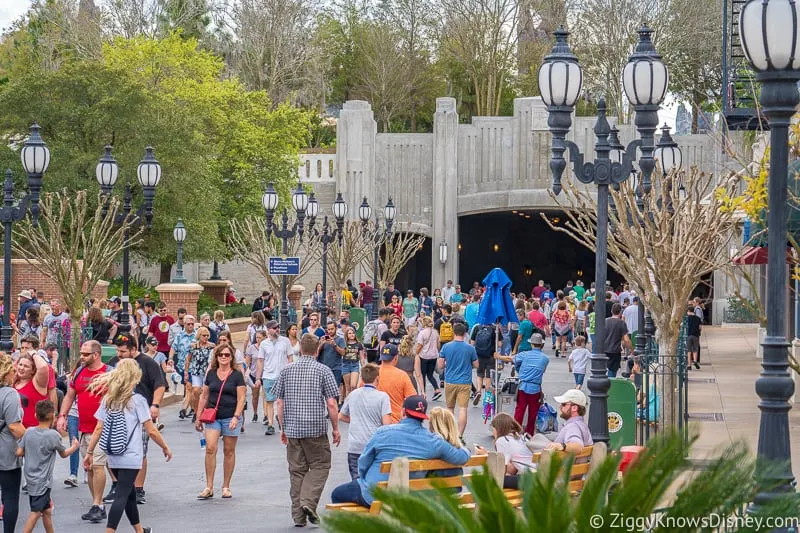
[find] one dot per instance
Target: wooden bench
(400, 468)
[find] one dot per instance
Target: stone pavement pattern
(260, 483)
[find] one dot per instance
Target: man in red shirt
(538, 290)
(538, 319)
(88, 403)
(159, 328)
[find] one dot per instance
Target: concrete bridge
(493, 164)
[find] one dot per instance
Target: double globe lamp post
(35, 157)
(149, 174)
(645, 81)
(364, 213)
(770, 40)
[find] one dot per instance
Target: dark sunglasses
(224, 354)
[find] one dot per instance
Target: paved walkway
(260, 484)
(722, 396)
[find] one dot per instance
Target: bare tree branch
(398, 250)
(664, 252)
(74, 246)
(249, 243)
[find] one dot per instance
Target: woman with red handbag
(220, 407)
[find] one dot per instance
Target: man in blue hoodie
(408, 438)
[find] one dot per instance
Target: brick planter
(216, 288)
(177, 295)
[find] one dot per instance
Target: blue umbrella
(496, 302)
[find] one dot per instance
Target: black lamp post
(148, 174)
(326, 238)
(645, 83)
(300, 203)
(35, 157)
(179, 234)
(769, 35)
(389, 212)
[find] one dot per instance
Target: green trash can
(621, 413)
(358, 318)
(109, 352)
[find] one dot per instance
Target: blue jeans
(348, 493)
(368, 312)
(352, 464)
(74, 459)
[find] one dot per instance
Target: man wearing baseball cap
(531, 365)
(409, 439)
(574, 434)
(394, 381)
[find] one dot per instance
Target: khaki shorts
(457, 395)
(98, 456)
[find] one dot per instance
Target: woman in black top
(224, 388)
(102, 328)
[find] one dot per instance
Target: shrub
(137, 288)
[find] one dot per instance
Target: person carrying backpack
(485, 338)
(121, 418)
(372, 335)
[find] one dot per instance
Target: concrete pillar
(177, 295)
(296, 299)
(216, 288)
(355, 157)
(445, 191)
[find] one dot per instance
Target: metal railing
(662, 397)
(739, 315)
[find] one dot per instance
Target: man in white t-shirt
(274, 353)
(365, 410)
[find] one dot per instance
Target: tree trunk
(165, 273)
(667, 379)
(75, 340)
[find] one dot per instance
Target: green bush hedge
(231, 311)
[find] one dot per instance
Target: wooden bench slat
(416, 465)
(576, 485)
(350, 507)
(579, 470)
(428, 483)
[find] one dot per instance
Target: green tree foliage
(217, 142)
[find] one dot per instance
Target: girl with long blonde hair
(442, 421)
(117, 387)
(12, 430)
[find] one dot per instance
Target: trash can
(109, 352)
(358, 320)
(621, 413)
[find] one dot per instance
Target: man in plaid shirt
(306, 392)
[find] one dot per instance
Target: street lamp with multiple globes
(770, 40)
(364, 212)
(326, 238)
(645, 81)
(149, 174)
(179, 234)
(269, 200)
(35, 156)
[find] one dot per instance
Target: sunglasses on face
(224, 354)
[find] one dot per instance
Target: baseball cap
(115, 299)
(537, 339)
(388, 352)
(272, 324)
(416, 406)
(572, 396)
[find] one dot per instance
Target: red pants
(530, 403)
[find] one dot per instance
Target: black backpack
(484, 341)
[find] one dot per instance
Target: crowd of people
(421, 348)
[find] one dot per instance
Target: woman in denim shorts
(224, 388)
(353, 356)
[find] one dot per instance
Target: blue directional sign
(288, 266)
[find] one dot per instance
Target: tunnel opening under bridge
(523, 245)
